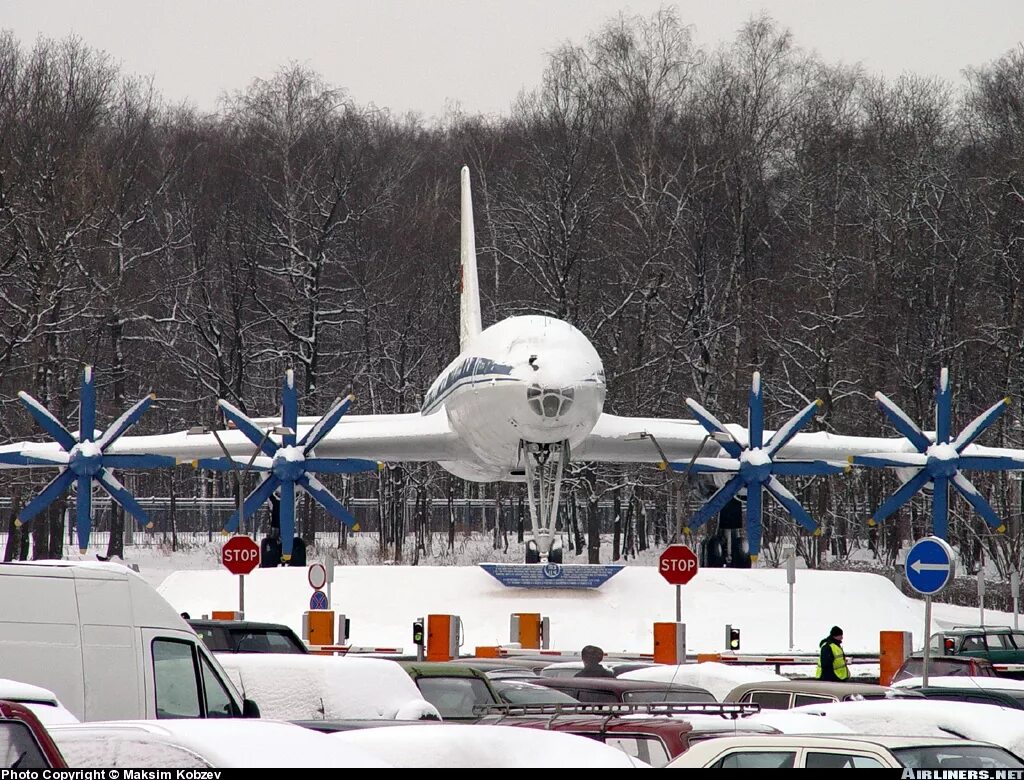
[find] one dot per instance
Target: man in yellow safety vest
(832, 660)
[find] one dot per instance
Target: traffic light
(417, 632)
(732, 638)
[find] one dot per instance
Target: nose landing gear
(545, 465)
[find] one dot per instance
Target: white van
(108, 645)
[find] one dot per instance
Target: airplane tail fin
(469, 323)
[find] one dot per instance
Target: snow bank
(383, 601)
(314, 687)
(459, 746)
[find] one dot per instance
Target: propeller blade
(261, 463)
(83, 513)
(807, 468)
(906, 427)
(990, 463)
(139, 461)
(754, 519)
(712, 426)
(788, 502)
(120, 494)
(940, 507)
(967, 489)
(341, 465)
(56, 486)
(943, 408)
(287, 518)
(782, 436)
(289, 408)
(48, 422)
(326, 423)
(892, 460)
(39, 459)
(716, 503)
(901, 496)
(326, 499)
(755, 413)
(253, 501)
(708, 466)
(978, 425)
(87, 407)
(125, 421)
(248, 428)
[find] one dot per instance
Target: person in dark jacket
(592, 656)
(832, 659)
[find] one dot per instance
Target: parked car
(245, 636)
(998, 644)
(504, 668)
(789, 751)
(317, 687)
(183, 744)
(105, 630)
(43, 703)
(945, 666)
(456, 691)
(612, 689)
(978, 690)
(787, 694)
(24, 741)
(637, 730)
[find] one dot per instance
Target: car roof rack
(979, 628)
(730, 710)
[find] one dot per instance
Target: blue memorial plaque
(551, 575)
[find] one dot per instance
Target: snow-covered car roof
(213, 742)
(43, 702)
(921, 717)
(314, 687)
(715, 677)
(986, 683)
(458, 746)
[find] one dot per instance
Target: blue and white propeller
(84, 458)
(755, 466)
(289, 463)
(940, 461)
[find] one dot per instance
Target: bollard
(670, 643)
(894, 647)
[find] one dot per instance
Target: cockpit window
(551, 401)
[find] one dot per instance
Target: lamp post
(280, 430)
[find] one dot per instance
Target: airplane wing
(385, 437)
(632, 440)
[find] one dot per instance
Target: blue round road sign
(318, 600)
(930, 566)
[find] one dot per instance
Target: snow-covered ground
(383, 601)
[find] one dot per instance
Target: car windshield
(263, 640)
(674, 695)
(532, 694)
(956, 757)
(455, 697)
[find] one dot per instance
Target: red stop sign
(240, 555)
(678, 564)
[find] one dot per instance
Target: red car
(25, 742)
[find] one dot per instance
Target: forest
(698, 214)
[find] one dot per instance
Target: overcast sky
(427, 55)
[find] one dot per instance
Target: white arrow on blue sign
(930, 566)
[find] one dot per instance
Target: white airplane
(526, 395)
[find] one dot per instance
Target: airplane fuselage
(525, 379)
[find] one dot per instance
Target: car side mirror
(250, 709)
